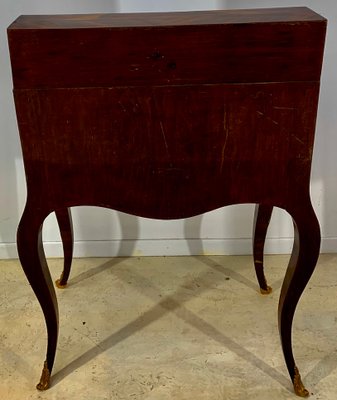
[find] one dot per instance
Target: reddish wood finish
(262, 217)
(168, 116)
(98, 50)
(65, 223)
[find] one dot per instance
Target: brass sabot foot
(266, 291)
(299, 388)
(59, 283)
(44, 383)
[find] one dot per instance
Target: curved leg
(65, 223)
(30, 248)
(261, 222)
(301, 266)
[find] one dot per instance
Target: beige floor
(160, 328)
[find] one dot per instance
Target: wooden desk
(168, 116)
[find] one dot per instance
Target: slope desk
(168, 115)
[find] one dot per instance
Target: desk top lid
(200, 47)
(188, 18)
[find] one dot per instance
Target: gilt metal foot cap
(266, 291)
(60, 285)
(299, 388)
(44, 383)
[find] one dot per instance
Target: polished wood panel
(174, 19)
(168, 145)
(278, 46)
(168, 116)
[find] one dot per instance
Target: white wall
(167, 5)
(103, 232)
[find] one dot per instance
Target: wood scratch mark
(156, 110)
(164, 137)
(298, 139)
(268, 118)
(226, 130)
(122, 106)
(273, 121)
(283, 108)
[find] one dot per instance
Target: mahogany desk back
(162, 108)
(167, 116)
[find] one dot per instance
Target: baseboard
(167, 247)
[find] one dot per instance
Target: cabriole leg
(261, 222)
(30, 249)
(65, 223)
(301, 266)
